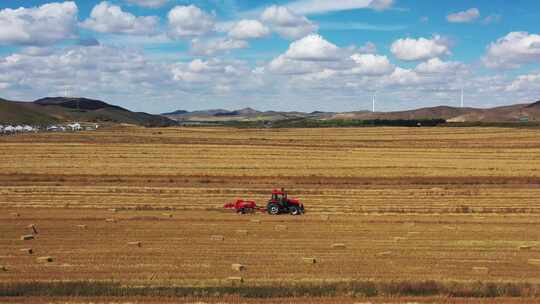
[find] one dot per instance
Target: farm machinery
(279, 203)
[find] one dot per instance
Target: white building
(74, 126)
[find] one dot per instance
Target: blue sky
(162, 55)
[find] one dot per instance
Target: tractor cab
(279, 196)
(280, 203)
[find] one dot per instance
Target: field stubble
(408, 204)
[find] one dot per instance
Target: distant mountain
(61, 109)
(513, 113)
(245, 114)
(177, 112)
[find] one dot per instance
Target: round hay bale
(309, 260)
(45, 259)
(238, 267)
(27, 250)
(27, 237)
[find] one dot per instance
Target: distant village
(8, 129)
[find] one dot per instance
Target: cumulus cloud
(284, 65)
(189, 21)
(214, 46)
(464, 16)
(368, 48)
(307, 7)
(43, 25)
(89, 70)
(513, 50)
(213, 70)
(402, 77)
(148, 3)
(313, 48)
(249, 29)
(286, 23)
(409, 49)
(525, 83)
(437, 66)
(371, 64)
(108, 18)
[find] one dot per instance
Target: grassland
(445, 208)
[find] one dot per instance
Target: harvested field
(403, 204)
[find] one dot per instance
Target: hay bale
(339, 246)
(113, 210)
(14, 214)
(535, 262)
(45, 259)
(398, 239)
(384, 254)
(138, 244)
(169, 215)
(409, 225)
(217, 238)
(480, 270)
(238, 267)
(235, 279)
(242, 232)
(110, 220)
(325, 217)
(27, 237)
(81, 226)
(525, 247)
(33, 228)
(27, 250)
(257, 221)
(3, 268)
(309, 260)
(280, 228)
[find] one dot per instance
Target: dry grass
(410, 204)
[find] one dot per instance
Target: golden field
(408, 204)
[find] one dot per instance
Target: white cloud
(249, 29)
(494, 18)
(286, 23)
(108, 18)
(465, 16)
(513, 50)
(409, 49)
(287, 66)
(189, 21)
(313, 48)
(89, 70)
(525, 83)
(214, 71)
(437, 66)
(148, 3)
(213, 46)
(368, 48)
(307, 7)
(371, 64)
(402, 77)
(42, 25)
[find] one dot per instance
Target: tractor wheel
(273, 209)
(294, 210)
(241, 211)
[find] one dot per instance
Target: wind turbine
(462, 98)
(373, 102)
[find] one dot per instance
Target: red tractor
(279, 203)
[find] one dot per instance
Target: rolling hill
(513, 113)
(61, 109)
